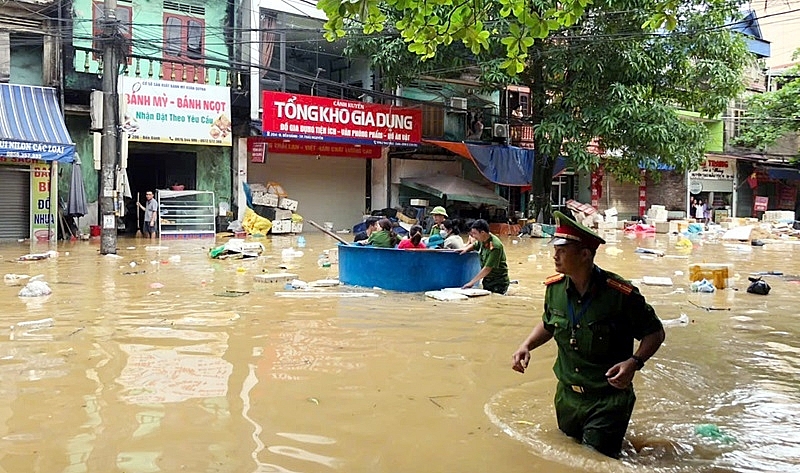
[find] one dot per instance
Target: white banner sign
(715, 168)
(160, 111)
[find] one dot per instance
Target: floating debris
(229, 293)
(274, 277)
(657, 281)
(311, 294)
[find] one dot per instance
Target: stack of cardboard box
(280, 210)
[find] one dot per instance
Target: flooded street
(154, 367)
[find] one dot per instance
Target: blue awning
(31, 125)
(500, 164)
(788, 174)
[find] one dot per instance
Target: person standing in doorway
(150, 215)
(594, 316)
(700, 211)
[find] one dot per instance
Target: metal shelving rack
(186, 214)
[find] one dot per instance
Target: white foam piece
(657, 281)
(446, 296)
(471, 292)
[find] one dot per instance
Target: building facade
(330, 175)
(33, 137)
(180, 90)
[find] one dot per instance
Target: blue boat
(405, 270)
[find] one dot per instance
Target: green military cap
(570, 231)
(439, 210)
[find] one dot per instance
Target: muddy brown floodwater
(147, 367)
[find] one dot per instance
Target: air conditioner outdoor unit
(458, 103)
(500, 130)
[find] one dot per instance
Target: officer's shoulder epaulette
(621, 286)
(553, 279)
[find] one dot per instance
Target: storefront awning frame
(455, 188)
(32, 125)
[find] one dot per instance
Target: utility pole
(108, 143)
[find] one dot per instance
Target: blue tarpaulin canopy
(501, 164)
(789, 174)
(31, 125)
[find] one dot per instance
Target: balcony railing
(90, 61)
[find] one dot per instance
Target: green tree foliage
(772, 115)
(427, 25)
(598, 71)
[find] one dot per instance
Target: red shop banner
(260, 147)
(305, 117)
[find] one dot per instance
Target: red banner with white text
(305, 117)
(260, 148)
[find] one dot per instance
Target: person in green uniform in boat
(385, 236)
(494, 270)
(439, 214)
(594, 317)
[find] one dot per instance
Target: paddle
(328, 232)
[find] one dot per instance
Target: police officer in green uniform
(594, 316)
(494, 269)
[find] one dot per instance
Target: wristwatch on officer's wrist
(639, 362)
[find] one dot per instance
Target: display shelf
(186, 214)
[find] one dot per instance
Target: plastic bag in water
(713, 432)
(35, 289)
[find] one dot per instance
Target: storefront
(320, 150)
(714, 183)
(179, 134)
(33, 140)
(767, 187)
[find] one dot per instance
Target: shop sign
(258, 150)
(305, 117)
(761, 204)
(43, 223)
(336, 150)
(10, 160)
(19, 152)
(715, 168)
(695, 187)
(787, 197)
(160, 111)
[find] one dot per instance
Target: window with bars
(183, 43)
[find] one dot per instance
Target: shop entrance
(563, 190)
(157, 170)
(15, 195)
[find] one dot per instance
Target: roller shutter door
(15, 199)
(328, 189)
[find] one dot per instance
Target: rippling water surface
(150, 365)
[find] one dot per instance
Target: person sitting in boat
(414, 240)
(448, 238)
(371, 226)
(452, 235)
(439, 214)
(385, 237)
(494, 270)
